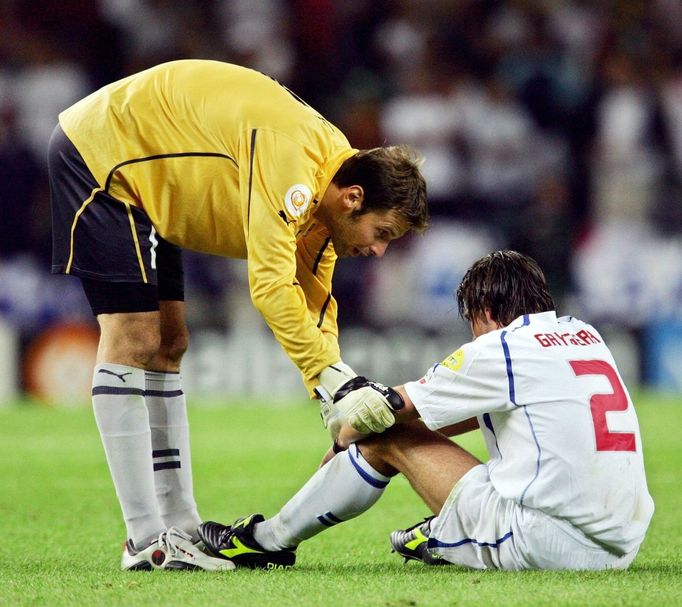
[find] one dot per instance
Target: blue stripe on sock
(333, 518)
(97, 390)
(165, 452)
(375, 482)
(164, 393)
(328, 519)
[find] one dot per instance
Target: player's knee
(143, 349)
(387, 448)
(136, 348)
(377, 451)
(174, 346)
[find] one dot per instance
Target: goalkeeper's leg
(171, 455)
(169, 425)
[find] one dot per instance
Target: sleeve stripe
(320, 253)
(251, 156)
(324, 309)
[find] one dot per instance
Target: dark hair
(391, 179)
(508, 283)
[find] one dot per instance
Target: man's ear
(489, 318)
(353, 197)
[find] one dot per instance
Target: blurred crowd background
(553, 127)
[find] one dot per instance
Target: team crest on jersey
(297, 199)
(455, 360)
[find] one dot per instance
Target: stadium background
(551, 127)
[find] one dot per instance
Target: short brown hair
(391, 179)
(508, 283)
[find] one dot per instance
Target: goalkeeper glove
(366, 405)
(331, 379)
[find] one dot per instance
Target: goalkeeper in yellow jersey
(217, 158)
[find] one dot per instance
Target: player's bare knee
(376, 449)
(143, 350)
(174, 346)
(134, 348)
(386, 451)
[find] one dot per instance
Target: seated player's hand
(332, 419)
(367, 406)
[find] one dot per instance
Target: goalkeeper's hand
(367, 406)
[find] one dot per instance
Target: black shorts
(125, 266)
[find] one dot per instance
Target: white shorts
(478, 528)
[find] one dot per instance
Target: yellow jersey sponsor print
(224, 160)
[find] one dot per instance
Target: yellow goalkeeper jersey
(227, 161)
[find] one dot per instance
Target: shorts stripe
(434, 543)
(73, 226)
(137, 243)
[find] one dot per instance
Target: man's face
(367, 234)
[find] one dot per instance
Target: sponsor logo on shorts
(297, 199)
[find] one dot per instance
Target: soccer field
(62, 530)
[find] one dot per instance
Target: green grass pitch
(62, 533)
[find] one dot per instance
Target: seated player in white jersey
(564, 487)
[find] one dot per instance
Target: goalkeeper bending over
(564, 487)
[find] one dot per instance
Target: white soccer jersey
(558, 422)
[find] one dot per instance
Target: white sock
(339, 491)
(171, 451)
(123, 422)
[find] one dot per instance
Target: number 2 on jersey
(601, 403)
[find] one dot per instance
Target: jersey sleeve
(277, 176)
(315, 261)
(469, 382)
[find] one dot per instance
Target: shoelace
(171, 547)
(224, 534)
(420, 523)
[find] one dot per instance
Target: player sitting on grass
(564, 487)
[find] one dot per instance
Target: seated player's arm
(460, 428)
(409, 412)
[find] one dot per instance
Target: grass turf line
(62, 531)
